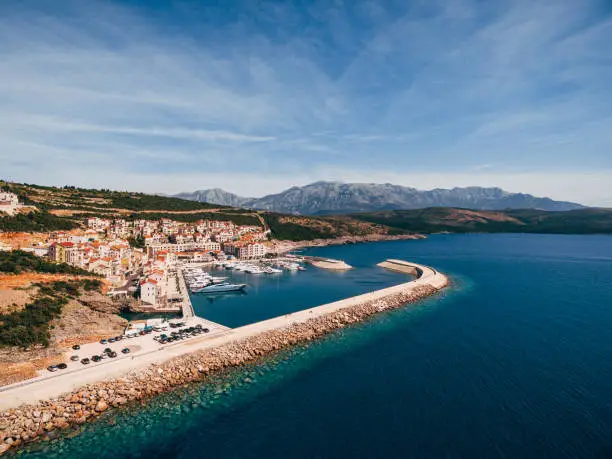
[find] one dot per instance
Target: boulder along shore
(29, 423)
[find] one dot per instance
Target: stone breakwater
(42, 420)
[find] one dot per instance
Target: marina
(201, 281)
(154, 347)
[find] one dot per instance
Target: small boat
(218, 279)
(254, 270)
(218, 288)
(271, 270)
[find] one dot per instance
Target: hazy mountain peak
(325, 197)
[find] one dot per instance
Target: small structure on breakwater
(327, 263)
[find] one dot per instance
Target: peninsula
(33, 408)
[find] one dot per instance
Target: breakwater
(196, 359)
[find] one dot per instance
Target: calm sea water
(514, 361)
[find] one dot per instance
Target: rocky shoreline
(42, 421)
(281, 247)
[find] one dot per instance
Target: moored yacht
(218, 288)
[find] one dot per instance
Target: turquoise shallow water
(514, 361)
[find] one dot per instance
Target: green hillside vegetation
(31, 325)
(139, 201)
(246, 217)
(443, 219)
(18, 261)
(307, 228)
(290, 231)
(69, 197)
(35, 222)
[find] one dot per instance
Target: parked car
(52, 368)
(108, 350)
(62, 366)
(125, 350)
(95, 358)
(103, 341)
(74, 358)
(111, 340)
(85, 361)
(112, 355)
(76, 347)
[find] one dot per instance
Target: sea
(514, 359)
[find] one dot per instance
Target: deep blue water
(273, 295)
(515, 360)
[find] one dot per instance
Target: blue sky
(256, 96)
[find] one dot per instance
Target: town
(141, 256)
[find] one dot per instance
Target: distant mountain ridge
(322, 198)
(216, 196)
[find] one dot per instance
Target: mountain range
(321, 198)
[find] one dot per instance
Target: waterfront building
(245, 251)
(148, 291)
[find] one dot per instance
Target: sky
(257, 96)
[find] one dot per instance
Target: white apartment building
(148, 291)
(8, 202)
(251, 250)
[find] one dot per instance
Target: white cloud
(103, 95)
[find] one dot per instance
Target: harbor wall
(191, 360)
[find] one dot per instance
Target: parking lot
(129, 346)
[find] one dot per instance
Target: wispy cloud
(280, 93)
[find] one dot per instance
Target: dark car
(112, 355)
(108, 350)
(52, 368)
(205, 330)
(118, 338)
(85, 361)
(95, 358)
(76, 347)
(125, 351)
(62, 366)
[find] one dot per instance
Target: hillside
(433, 220)
(216, 196)
(323, 198)
(65, 208)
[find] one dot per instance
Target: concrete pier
(186, 305)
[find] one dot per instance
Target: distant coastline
(280, 247)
